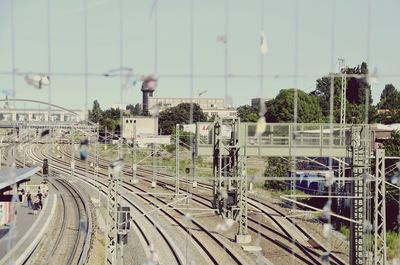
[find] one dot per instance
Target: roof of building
(10, 176)
(386, 127)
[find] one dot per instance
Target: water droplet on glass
(326, 211)
(83, 150)
(367, 226)
(329, 178)
(225, 226)
(261, 126)
(327, 229)
(116, 166)
(188, 217)
(44, 133)
(394, 179)
(325, 257)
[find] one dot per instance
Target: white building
(146, 130)
(204, 103)
(223, 113)
(210, 106)
(139, 125)
(17, 114)
(255, 102)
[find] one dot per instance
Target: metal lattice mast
(217, 162)
(97, 150)
(342, 165)
(380, 209)
(359, 153)
(243, 196)
(177, 159)
(292, 170)
(230, 176)
(72, 151)
(112, 207)
(134, 158)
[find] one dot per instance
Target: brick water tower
(148, 87)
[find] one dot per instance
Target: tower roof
(149, 83)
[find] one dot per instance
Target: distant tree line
(167, 119)
(315, 106)
(109, 119)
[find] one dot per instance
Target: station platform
(20, 237)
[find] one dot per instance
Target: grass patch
(393, 244)
(345, 231)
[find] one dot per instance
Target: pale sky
(173, 16)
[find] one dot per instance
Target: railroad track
(140, 226)
(285, 240)
(216, 252)
(75, 229)
(265, 208)
(72, 243)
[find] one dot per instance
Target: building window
(127, 121)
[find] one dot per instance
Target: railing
(281, 139)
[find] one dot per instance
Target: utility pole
(154, 154)
(230, 177)
(360, 167)
(97, 151)
(134, 165)
(112, 207)
(342, 136)
(380, 254)
(242, 233)
(72, 152)
(342, 165)
(177, 159)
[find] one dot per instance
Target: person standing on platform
(36, 205)
(40, 195)
(22, 195)
(29, 199)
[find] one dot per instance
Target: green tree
(387, 91)
(281, 109)
(358, 88)
(179, 115)
(276, 167)
(111, 119)
(392, 145)
(356, 93)
(96, 114)
(390, 99)
(323, 94)
(247, 113)
(135, 110)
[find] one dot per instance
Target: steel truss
(230, 175)
(380, 256)
(360, 168)
(112, 214)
